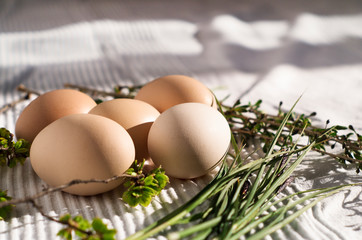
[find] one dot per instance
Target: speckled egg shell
(167, 91)
(135, 116)
(49, 107)
(188, 140)
(82, 146)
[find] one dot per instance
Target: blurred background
(270, 50)
(242, 48)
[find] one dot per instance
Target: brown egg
(82, 146)
(135, 116)
(167, 91)
(49, 107)
(188, 140)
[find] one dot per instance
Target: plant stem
(270, 229)
(176, 215)
(28, 91)
(20, 88)
(196, 228)
(93, 91)
(341, 156)
(59, 188)
(72, 226)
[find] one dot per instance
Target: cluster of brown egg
(173, 122)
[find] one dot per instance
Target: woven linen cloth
(249, 50)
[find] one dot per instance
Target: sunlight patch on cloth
(307, 28)
(258, 35)
(87, 41)
(314, 29)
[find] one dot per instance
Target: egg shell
(49, 107)
(170, 90)
(82, 146)
(188, 140)
(135, 116)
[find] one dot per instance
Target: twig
(61, 187)
(20, 88)
(39, 208)
(338, 156)
(251, 133)
(286, 183)
(94, 91)
(12, 104)
(354, 145)
(23, 88)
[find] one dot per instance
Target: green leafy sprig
(5, 211)
(237, 203)
(127, 91)
(137, 180)
(119, 91)
(28, 94)
(143, 189)
(79, 228)
(11, 152)
(247, 121)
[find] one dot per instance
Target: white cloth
(269, 50)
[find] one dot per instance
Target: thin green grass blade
(252, 211)
(175, 216)
(280, 129)
(270, 229)
(253, 190)
(275, 170)
(291, 204)
(202, 235)
(196, 228)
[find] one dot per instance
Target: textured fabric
(270, 50)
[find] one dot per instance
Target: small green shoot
(80, 228)
(11, 152)
(143, 189)
(4, 211)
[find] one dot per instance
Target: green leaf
(65, 218)
(12, 163)
(130, 171)
(150, 181)
(162, 180)
(257, 104)
(129, 198)
(77, 222)
(102, 229)
(143, 188)
(339, 127)
(109, 235)
(65, 233)
(237, 103)
(21, 150)
(18, 144)
(146, 198)
(99, 226)
(98, 101)
(94, 237)
(138, 195)
(5, 211)
(5, 133)
(4, 143)
(313, 114)
(129, 183)
(11, 152)
(83, 224)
